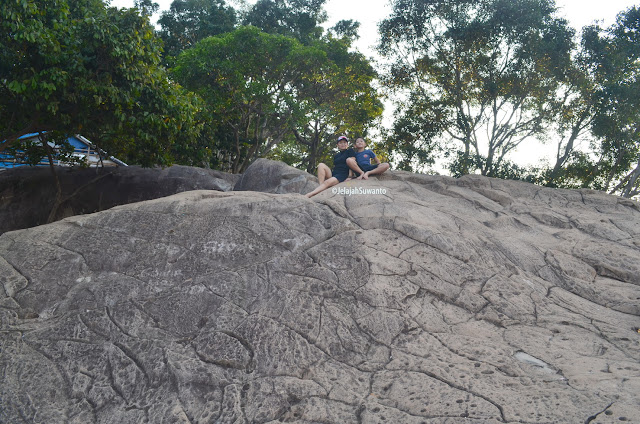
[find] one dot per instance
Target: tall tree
(189, 21)
(248, 79)
(336, 96)
(616, 52)
(575, 109)
(600, 102)
(489, 67)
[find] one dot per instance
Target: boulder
(269, 176)
(409, 299)
(27, 194)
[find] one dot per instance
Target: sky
(370, 12)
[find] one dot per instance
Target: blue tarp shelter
(83, 149)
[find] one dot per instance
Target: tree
(346, 29)
(413, 136)
(269, 91)
(248, 80)
(489, 67)
(600, 100)
(295, 18)
(334, 97)
(78, 66)
(575, 109)
(189, 21)
(146, 7)
(616, 53)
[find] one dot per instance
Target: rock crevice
(442, 301)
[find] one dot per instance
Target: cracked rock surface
(441, 301)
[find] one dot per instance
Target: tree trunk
(612, 172)
(58, 200)
(628, 190)
(313, 154)
(236, 160)
(568, 149)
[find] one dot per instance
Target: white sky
(370, 12)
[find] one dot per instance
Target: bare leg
(325, 185)
(324, 172)
(351, 163)
(379, 170)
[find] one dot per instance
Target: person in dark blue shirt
(361, 163)
(327, 177)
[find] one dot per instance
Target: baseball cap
(342, 137)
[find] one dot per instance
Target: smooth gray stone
(28, 194)
(441, 301)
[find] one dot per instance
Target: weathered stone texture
(269, 176)
(442, 301)
(28, 194)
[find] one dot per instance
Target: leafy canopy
(485, 70)
(79, 66)
(336, 96)
(247, 79)
(266, 91)
(189, 21)
(296, 18)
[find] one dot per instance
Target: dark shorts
(340, 175)
(367, 168)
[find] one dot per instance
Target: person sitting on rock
(328, 178)
(361, 163)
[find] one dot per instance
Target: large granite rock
(433, 301)
(270, 176)
(27, 194)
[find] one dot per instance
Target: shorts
(367, 168)
(340, 175)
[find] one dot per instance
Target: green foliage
(413, 136)
(189, 21)
(294, 18)
(81, 67)
(270, 95)
(346, 29)
(288, 151)
(146, 7)
(601, 101)
(581, 171)
(488, 67)
(615, 57)
(335, 96)
(78, 66)
(247, 80)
